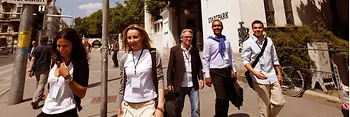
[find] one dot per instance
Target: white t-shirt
(145, 90)
(64, 100)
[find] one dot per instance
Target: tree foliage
(291, 44)
(155, 7)
(120, 16)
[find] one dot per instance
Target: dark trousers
(224, 89)
(69, 113)
(115, 59)
(345, 112)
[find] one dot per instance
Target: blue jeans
(194, 99)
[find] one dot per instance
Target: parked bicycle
(293, 81)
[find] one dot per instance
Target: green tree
(155, 7)
(120, 16)
(94, 24)
(79, 26)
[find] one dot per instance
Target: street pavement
(294, 107)
(6, 59)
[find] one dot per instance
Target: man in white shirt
(34, 45)
(265, 81)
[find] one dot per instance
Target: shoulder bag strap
(154, 67)
(260, 54)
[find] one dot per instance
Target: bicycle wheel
(293, 82)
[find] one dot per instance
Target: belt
(138, 102)
(228, 68)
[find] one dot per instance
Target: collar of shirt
(184, 49)
(256, 40)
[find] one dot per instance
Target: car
(4, 51)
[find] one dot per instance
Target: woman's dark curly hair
(78, 51)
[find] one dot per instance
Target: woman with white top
(68, 78)
(141, 92)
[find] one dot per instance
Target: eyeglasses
(187, 37)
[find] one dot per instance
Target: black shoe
(34, 105)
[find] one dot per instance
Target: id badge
(54, 92)
(135, 83)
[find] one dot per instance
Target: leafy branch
(155, 7)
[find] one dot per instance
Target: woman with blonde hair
(141, 91)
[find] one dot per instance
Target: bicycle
(293, 81)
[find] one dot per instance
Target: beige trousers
(270, 99)
(146, 109)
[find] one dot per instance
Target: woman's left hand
(158, 113)
(63, 70)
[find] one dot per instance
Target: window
(19, 10)
(4, 29)
(7, 16)
(269, 12)
(157, 27)
(289, 12)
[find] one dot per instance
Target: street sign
(36, 2)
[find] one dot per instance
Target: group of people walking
(142, 94)
(142, 89)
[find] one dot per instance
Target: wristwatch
(68, 79)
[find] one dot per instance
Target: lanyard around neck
(133, 60)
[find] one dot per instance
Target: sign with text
(36, 2)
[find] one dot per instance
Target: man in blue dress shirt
(219, 68)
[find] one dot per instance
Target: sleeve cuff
(234, 69)
(207, 74)
(245, 62)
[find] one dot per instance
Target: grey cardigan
(160, 76)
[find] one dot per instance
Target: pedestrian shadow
(40, 104)
(98, 83)
(239, 115)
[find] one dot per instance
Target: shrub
(291, 44)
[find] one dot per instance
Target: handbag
(172, 104)
(247, 73)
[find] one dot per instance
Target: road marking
(5, 71)
(6, 66)
(4, 91)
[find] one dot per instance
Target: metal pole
(104, 61)
(39, 38)
(20, 65)
(72, 23)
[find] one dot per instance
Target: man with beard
(219, 68)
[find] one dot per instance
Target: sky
(81, 8)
